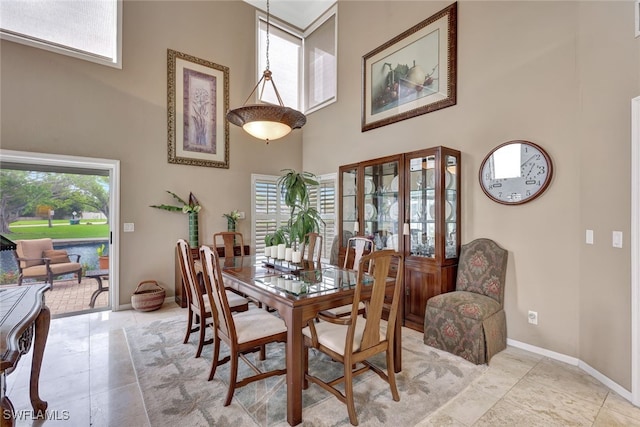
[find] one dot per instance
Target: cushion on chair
(67, 267)
(333, 336)
(465, 304)
(234, 300)
(35, 271)
(256, 323)
(345, 309)
(32, 249)
(57, 256)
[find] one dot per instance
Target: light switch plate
(589, 237)
(128, 227)
(617, 239)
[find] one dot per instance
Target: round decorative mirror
(515, 172)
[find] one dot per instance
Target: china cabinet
(408, 202)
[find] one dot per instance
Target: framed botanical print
(197, 102)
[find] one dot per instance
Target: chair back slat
(185, 259)
(379, 263)
(217, 294)
(229, 240)
(361, 246)
(312, 247)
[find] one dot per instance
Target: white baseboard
(626, 394)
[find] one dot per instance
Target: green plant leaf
(167, 208)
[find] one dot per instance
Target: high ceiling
(300, 13)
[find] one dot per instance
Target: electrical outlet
(533, 317)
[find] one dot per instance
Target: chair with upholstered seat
(311, 248)
(470, 322)
(229, 239)
(38, 260)
(353, 339)
(357, 247)
(198, 304)
(242, 333)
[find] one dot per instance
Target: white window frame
(295, 32)
(115, 62)
(331, 12)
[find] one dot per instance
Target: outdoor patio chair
(38, 260)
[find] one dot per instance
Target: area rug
(176, 391)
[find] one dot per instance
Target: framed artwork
(413, 73)
(197, 102)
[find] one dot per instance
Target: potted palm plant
(304, 217)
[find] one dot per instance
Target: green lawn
(61, 230)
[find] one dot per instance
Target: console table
(179, 289)
(24, 318)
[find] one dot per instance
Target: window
(86, 29)
(270, 212)
(304, 63)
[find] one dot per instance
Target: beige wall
(560, 74)
(56, 104)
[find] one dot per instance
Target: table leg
(97, 292)
(295, 348)
(397, 347)
(7, 411)
(41, 332)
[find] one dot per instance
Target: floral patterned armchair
(470, 322)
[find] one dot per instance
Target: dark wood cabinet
(180, 297)
(409, 202)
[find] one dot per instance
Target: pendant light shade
(266, 121)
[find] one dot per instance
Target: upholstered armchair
(470, 322)
(38, 260)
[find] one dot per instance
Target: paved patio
(67, 296)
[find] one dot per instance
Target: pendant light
(266, 121)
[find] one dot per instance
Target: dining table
(298, 292)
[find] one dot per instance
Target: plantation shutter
(323, 198)
(267, 213)
(270, 212)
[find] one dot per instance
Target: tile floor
(88, 380)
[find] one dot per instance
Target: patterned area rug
(176, 391)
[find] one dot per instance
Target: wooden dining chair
(311, 248)
(229, 239)
(357, 247)
(199, 312)
(353, 339)
(242, 333)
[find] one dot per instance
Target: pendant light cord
(268, 23)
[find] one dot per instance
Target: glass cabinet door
(433, 204)
(381, 206)
(451, 206)
(349, 205)
(422, 206)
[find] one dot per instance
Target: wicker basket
(148, 296)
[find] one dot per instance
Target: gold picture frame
(197, 103)
(412, 74)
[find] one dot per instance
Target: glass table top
(295, 279)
